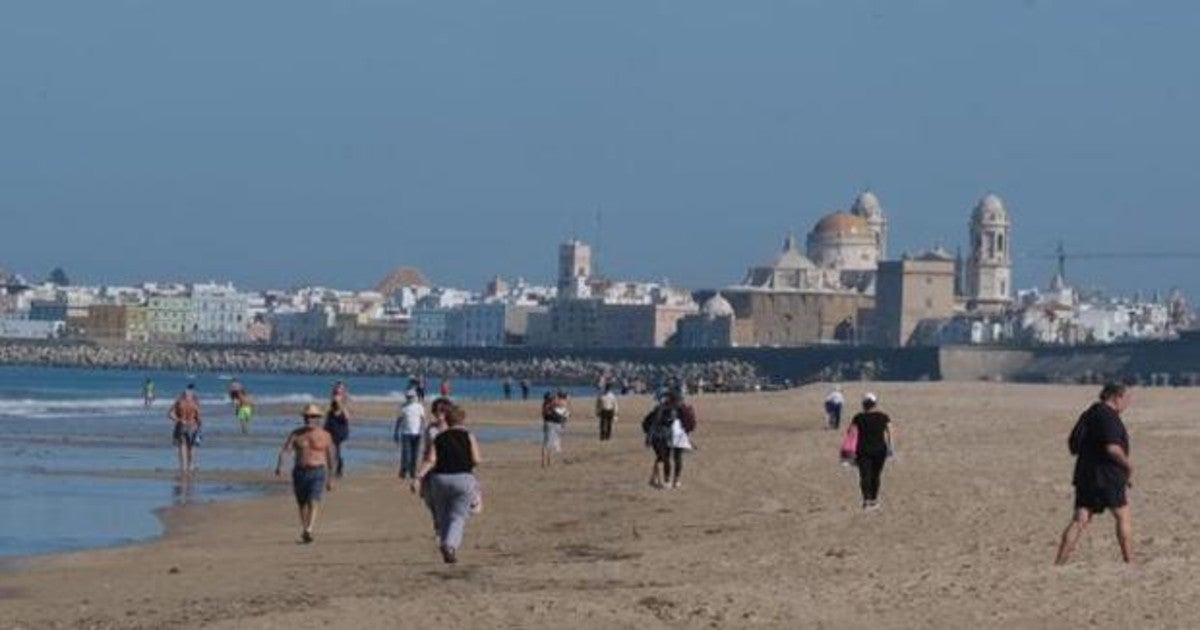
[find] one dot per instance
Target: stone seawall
(241, 360)
(1175, 362)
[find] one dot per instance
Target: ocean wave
(35, 408)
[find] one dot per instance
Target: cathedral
(828, 292)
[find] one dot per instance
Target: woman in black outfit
(874, 447)
(448, 470)
(337, 423)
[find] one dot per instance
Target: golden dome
(401, 278)
(842, 223)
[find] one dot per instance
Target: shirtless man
(312, 472)
(243, 410)
(185, 415)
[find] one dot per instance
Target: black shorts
(1096, 499)
(185, 435)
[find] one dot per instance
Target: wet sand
(766, 532)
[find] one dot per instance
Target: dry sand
(766, 533)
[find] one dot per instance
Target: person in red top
(444, 389)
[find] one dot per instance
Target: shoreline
(766, 532)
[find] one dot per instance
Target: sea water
(84, 463)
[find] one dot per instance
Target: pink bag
(849, 450)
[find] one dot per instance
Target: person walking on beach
(555, 412)
(185, 416)
(438, 411)
(668, 428)
(833, 407)
(148, 393)
(444, 388)
(525, 389)
(312, 471)
(448, 473)
(337, 423)
(422, 386)
(606, 412)
(243, 410)
(407, 433)
(506, 386)
(875, 439)
(1103, 470)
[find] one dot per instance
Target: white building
(476, 325)
(219, 314)
(429, 326)
(17, 328)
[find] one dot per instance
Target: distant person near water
(243, 410)
(668, 428)
(556, 410)
(1103, 471)
(444, 388)
(312, 471)
(506, 387)
(525, 389)
(185, 416)
(606, 412)
(407, 433)
(447, 474)
(148, 393)
(876, 433)
(833, 407)
(337, 423)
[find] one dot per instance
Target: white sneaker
(675, 485)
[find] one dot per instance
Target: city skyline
(467, 140)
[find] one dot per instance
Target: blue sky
(281, 142)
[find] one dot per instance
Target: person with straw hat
(312, 472)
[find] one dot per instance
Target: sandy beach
(766, 532)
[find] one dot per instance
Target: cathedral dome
(401, 278)
(841, 224)
(717, 306)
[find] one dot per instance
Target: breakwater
(1172, 362)
(737, 374)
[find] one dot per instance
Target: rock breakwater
(736, 374)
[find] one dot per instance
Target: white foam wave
(127, 406)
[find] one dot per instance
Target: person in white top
(606, 411)
(833, 407)
(407, 433)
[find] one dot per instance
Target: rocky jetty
(736, 374)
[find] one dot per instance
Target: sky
(277, 143)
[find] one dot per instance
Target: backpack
(657, 425)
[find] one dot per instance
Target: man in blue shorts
(1103, 471)
(312, 472)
